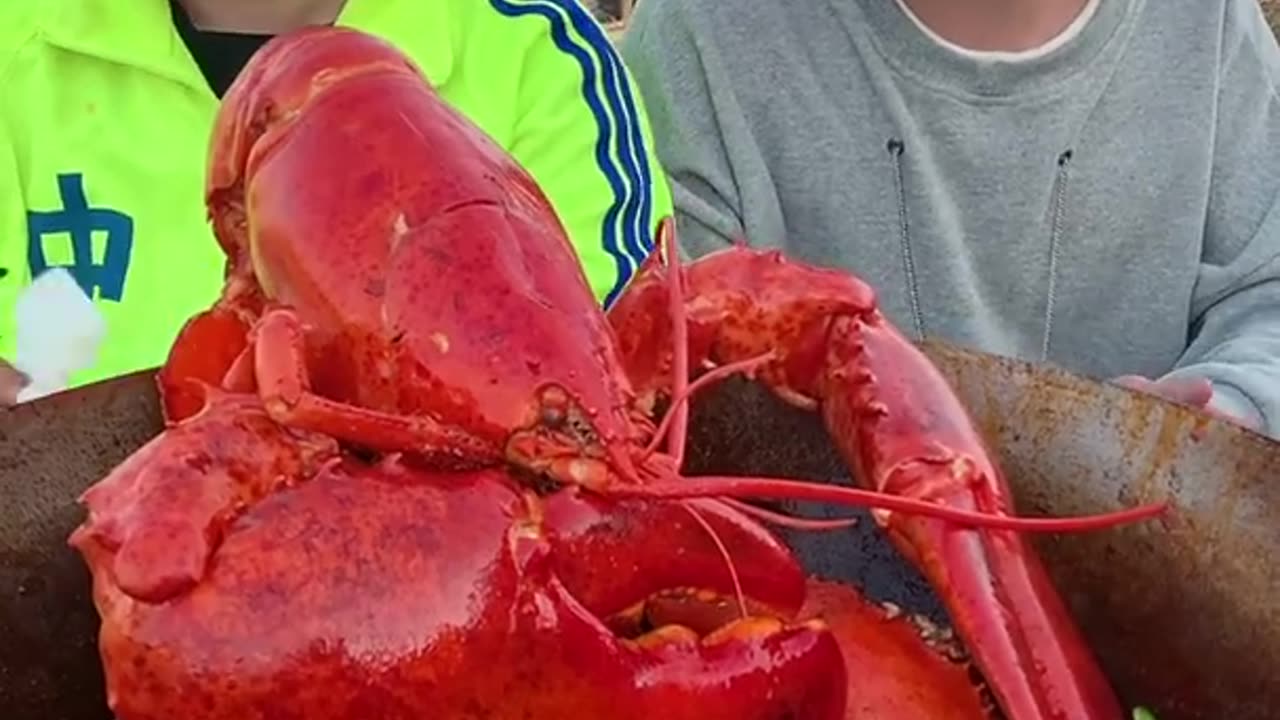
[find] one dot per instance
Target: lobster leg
(282, 380)
(902, 430)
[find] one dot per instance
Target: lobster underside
(413, 470)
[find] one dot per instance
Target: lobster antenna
(657, 474)
(785, 489)
(675, 423)
(682, 398)
(679, 411)
(789, 521)
(724, 553)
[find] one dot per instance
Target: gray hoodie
(1111, 206)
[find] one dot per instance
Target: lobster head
(432, 274)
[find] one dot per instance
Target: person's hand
(11, 383)
(1194, 392)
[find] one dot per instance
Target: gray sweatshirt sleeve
(701, 132)
(1235, 312)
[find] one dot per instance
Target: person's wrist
(12, 381)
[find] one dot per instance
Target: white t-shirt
(1064, 37)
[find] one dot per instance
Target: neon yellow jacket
(105, 117)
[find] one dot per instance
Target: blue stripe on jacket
(625, 231)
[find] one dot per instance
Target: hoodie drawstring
(896, 148)
(1057, 209)
(1057, 203)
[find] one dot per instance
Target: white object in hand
(59, 331)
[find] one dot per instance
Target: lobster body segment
(413, 470)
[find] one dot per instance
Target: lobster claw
(921, 443)
(672, 671)
(900, 667)
(474, 615)
(693, 640)
(728, 554)
(159, 516)
(816, 338)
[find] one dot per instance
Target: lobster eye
(552, 416)
(553, 407)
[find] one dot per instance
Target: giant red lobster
(411, 470)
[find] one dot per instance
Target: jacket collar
(140, 33)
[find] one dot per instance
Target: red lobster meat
(412, 470)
